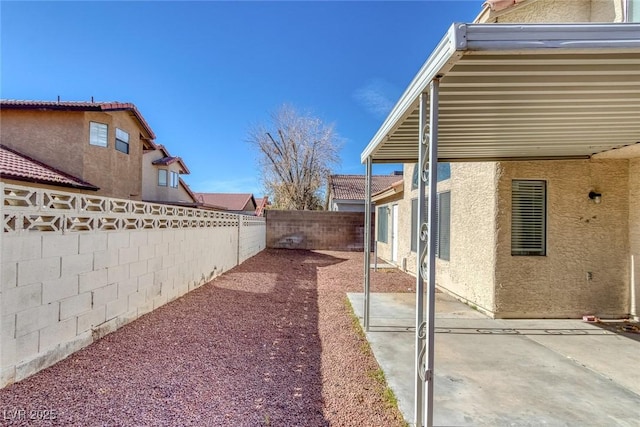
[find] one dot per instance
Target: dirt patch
(270, 342)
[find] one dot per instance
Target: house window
(98, 134)
(444, 226)
(443, 221)
(444, 173)
(383, 224)
(528, 217)
(162, 177)
(122, 141)
(174, 179)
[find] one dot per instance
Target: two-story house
(538, 206)
(97, 142)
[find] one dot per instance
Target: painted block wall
(62, 290)
(340, 231)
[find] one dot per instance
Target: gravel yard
(271, 342)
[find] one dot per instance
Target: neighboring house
(242, 203)
(161, 181)
(97, 142)
(18, 169)
(262, 203)
(346, 193)
(531, 238)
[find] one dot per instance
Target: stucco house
(346, 193)
(538, 192)
(161, 181)
(18, 169)
(97, 142)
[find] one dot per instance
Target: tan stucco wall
(151, 191)
(549, 11)
(634, 232)
(61, 139)
(53, 138)
(469, 274)
(581, 237)
(117, 174)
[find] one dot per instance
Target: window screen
(162, 177)
(122, 141)
(383, 221)
(528, 217)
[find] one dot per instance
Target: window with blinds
(98, 134)
(444, 226)
(528, 217)
(383, 221)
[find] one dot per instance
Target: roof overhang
(525, 91)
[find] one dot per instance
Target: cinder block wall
(343, 231)
(61, 290)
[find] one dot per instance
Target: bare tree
(296, 153)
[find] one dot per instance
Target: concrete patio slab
(508, 372)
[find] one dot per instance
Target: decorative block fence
(75, 267)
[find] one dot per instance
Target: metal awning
(502, 92)
(522, 92)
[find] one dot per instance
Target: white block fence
(75, 267)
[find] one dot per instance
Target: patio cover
(525, 91)
(503, 92)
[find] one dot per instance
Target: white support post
(421, 251)
(367, 245)
(431, 265)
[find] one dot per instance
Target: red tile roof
(228, 201)
(77, 106)
(169, 159)
(261, 204)
(351, 187)
(14, 165)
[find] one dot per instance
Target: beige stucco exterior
(592, 260)
(545, 11)
(61, 139)
(153, 192)
(582, 237)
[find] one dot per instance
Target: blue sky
(202, 73)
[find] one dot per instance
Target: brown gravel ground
(271, 342)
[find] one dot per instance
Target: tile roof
(228, 201)
(261, 204)
(77, 106)
(14, 165)
(169, 159)
(351, 187)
